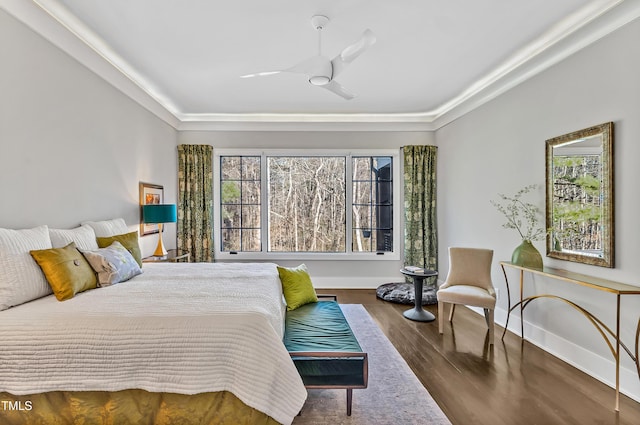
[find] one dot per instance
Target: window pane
(251, 217)
(230, 192)
(361, 169)
(362, 218)
(361, 240)
(382, 167)
(231, 240)
(384, 217)
(251, 168)
(251, 240)
(251, 192)
(384, 240)
(384, 194)
(230, 168)
(231, 216)
(307, 204)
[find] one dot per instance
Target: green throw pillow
(128, 240)
(296, 286)
(66, 270)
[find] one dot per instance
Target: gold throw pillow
(66, 270)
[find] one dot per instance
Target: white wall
(326, 274)
(72, 147)
(500, 148)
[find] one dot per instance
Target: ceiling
(430, 57)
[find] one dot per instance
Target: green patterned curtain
(195, 201)
(421, 226)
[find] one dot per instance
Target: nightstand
(173, 256)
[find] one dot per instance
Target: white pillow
(106, 228)
(83, 236)
(21, 279)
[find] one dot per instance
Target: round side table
(417, 313)
(173, 256)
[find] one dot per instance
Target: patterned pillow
(114, 264)
(21, 279)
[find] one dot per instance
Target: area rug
(404, 293)
(395, 396)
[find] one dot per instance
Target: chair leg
(453, 309)
(441, 314)
(488, 315)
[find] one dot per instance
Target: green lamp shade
(159, 213)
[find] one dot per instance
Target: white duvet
(183, 328)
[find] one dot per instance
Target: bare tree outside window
(306, 206)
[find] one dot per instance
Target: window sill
(308, 256)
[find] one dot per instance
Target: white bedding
(182, 328)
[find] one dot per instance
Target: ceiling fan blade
(351, 52)
(335, 87)
(261, 74)
(308, 67)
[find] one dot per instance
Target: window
(372, 204)
(240, 203)
(284, 204)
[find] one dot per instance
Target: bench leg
(349, 399)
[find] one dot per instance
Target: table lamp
(159, 214)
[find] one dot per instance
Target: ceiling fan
(319, 69)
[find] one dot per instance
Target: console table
(612, 338)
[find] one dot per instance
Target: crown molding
(306, 122)
(580, 30)
(583, 27)
(66, 32)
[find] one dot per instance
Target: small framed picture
(149, 194)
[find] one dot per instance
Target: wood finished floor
(516, 383)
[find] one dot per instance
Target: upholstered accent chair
(468, 283)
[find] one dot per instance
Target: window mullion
(348, 202)
(373, 207)
(264, 204)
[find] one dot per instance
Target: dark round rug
(403, 293)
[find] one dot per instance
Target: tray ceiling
(430, 57)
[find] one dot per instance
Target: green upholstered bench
(324, 349)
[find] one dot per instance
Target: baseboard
(594, 365)
(352, 282)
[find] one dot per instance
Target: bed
(199, 341)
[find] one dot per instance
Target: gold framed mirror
(579, 196)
